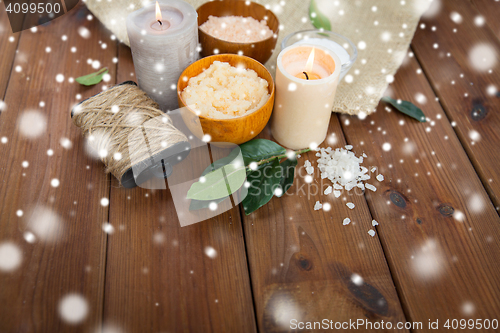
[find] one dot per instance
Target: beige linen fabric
(382, 30)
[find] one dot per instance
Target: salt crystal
(374, 223)
(310, 170)
(380, 178)
(371, 232)
(318, 205)
(337, 186)
(328, 190)
(348, 147)
(371, 187)
(336, 194)
(364, 155)
(350, 205)
(307, 163)
(346, 221)
(373, 169)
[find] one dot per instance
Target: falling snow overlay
(390, 195)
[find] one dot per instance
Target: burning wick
(158, 14)
(308, 70)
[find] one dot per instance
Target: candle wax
(310, 76)
(297, 69)
(155, 25)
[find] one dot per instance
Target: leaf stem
(99, 72)
(272, 158)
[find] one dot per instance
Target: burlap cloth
(384, 27)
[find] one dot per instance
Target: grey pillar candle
(163, 39)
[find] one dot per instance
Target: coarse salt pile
(223, 91)
(342, 168)
(237, 29)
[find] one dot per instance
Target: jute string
(123, 126)
(386, 27)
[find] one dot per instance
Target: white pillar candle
(302, 108)
(161, 51)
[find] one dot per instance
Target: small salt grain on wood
(380, 178)
(350, 205)
(309, 167)
(346, 221)
(318, 205)
(328, 190)
(371, 187)
(371, 232)
(374, 223)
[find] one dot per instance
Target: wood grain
(8, 45)
(437, 224)
(462, 88)
(490, 11)
(158, 276)
(74, 261)
(304, 263)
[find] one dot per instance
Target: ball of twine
(124, 126)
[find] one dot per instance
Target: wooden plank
(8, 45)
(74, 260)
(304, 263)
(158, 277)
(490, 12)
(463, 85)
(437, 224)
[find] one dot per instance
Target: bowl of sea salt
(340, 45)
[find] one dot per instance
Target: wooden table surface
(435, 255)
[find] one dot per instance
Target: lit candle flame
(158, 13)
(310, 62)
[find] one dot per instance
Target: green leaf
(318, 19)
(288, 172)
(201, 204)
(92, 79)
(262, 185)
(260, 149)
(407, 108)
(219, 183)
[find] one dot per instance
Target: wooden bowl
(234, 130)
(260, 51)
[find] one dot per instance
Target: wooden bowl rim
(275, 31)
(212, 58)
